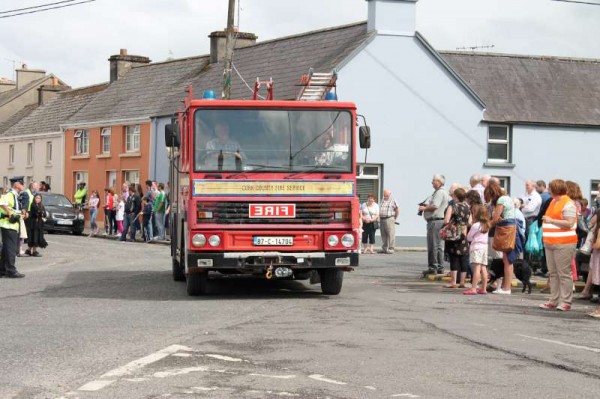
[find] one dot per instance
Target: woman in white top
(370, 215)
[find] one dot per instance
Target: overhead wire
(579, 2)
(49, 6)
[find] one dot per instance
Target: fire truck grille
(307, 213)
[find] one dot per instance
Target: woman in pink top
(478, 249)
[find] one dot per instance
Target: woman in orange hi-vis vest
(560, 239)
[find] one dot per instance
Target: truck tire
(178, 270)
(331, 281)
(197, 283)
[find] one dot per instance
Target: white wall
(422, 121)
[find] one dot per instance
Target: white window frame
(504, 183)
(11, 154)
(593, 190)
(48, 152)
(29, 154)
(82, 142)
(132, 138)
(128, 174)
(378, 177)
(5, 182)
(506, 142)
(105, 135)
(80, 176)
(111, 178)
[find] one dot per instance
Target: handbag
(505, 237)
(375, 223)
(582, 227)
(532, 246)
(587, 246)
(450, 232)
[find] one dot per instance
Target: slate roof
(529, 89)
(13, 119)
(9, 95)
(283, 59)
(142, 91)
(50, 116)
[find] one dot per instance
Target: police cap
(16, 179)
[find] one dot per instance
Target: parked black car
(61, 214)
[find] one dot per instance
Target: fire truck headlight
(333, 240)
(205, 215)
(198, 240)
(214, 240)
(348, 240)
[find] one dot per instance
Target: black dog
(522, 272)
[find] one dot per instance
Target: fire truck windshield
(278, 140)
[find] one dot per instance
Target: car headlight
(80, 216)
(333, 240)
(198, 240)
(348, 240)
(214, 240)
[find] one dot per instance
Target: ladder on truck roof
(315, 85)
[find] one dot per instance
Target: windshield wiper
(292, 156)
(256, 167)
(314, 169)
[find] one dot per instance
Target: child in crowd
(93, 205)
(120, 214)
(478, 249)
(146, 215)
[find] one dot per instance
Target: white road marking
(404, 395)
(319, 377)
(226, 358)
(551, 341)
(139, 379)
(95, 385)
(371, 388)
(181, 355)
(282, 377)
(207, 388)
(140, 363)
(170, 373)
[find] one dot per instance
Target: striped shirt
(387, 208)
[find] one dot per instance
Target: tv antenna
(14, 66)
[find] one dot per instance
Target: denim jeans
(129, 223)
(159, 217)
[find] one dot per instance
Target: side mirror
(172, 135)
(364, 137)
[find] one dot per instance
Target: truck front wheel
(331, 281)
(197, 283)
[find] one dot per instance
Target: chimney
(218, 39)
(6, 85)
(392, 17)
(26, 75)
(49, 92)
(120, 64)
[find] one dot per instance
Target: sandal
(482, 291)
(595, 314)
(470, 292)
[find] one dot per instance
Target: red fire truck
(264, 188)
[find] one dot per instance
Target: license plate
(274, 241)
(65, 222)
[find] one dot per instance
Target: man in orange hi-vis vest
(560, 240)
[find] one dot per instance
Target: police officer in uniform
(10, 214)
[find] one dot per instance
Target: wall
(25, 98)
(159, 163)
(98, 164)
(422, 122)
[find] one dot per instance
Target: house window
(82, 142)
(132, 139)
(29, 154)
(132, 176)
(11, 154)
(48, 152)
(498, 149)
(504, 183)
(111, 179)
(368, 181)
(594, 191)
(105, 136)
(80, 177)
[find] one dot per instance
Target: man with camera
(433, 210)
(10, 214)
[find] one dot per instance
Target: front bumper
(258, 261)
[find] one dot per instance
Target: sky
(75, 42)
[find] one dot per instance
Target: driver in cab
(223, 148)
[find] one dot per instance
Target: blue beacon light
(331, 96)
(209, 95)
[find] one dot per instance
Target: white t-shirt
(120, 211)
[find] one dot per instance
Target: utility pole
(228, 51)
